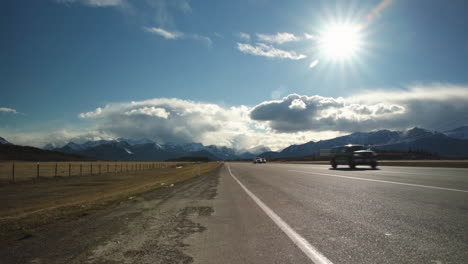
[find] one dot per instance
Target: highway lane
(390, 215)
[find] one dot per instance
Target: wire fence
(23, 171)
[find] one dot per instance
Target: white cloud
(309, 36)
(244, 36)
(278, 38)
(170, 120)
(8, 110)
(94, 113)
(206, 40)
(97, 3)
(297, 104)
(178, 35)
(59, 137)
(437, 107)
(149, 111)
(294, 119)
(261, 49)
(164, 33)
(313, 63)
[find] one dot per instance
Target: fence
(23, 171)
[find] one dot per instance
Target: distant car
(258, 160)
(352, 155)
(263, 160)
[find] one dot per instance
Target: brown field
(30, 204)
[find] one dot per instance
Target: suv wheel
(351, 164)
(334, 164)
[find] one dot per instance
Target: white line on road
(301, 242)
(382, 181)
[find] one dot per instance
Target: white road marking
(382, 181)
(301, 242)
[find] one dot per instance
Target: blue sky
(62, 59)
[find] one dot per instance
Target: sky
(234, 73)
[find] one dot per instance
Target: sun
(340, 41)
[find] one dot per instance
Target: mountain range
(10, 151)
(450, 143)
(146, 150)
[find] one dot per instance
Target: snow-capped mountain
(411, 139)
(50, 146)
(258, 150)
(450, 143)
(134, 142)
(460, 133)
(4, 141)
(144, 149)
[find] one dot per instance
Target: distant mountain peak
(459, 132)
(4, 141)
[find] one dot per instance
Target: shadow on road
(355, 169)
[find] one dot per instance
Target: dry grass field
(25, 171)
(29, 204)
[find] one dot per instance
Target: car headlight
(356, 155)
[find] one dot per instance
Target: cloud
(169, 120)
(261, 49)
(297, 104)
(97, 3)
(59, 137)
(175, 120)
(310, 36)
(8, 110)
(437, 107)
(149, 111)
(178, 35)
(293, 119)
(278, 38)
(160, 13)
(313, 63)
(244, 36)
(164, 33)
(94, 113)
(184, 5)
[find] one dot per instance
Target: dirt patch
(151, 227)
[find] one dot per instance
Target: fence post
(55, 173)
(91, 168)
(107, 167)
(99, 168)
(13, 172)
(81, 169)
(198, 169)
(69, 169)
(37, 174)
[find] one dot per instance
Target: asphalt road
(271, 213)
(389, 215)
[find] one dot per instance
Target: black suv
(352, 155)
